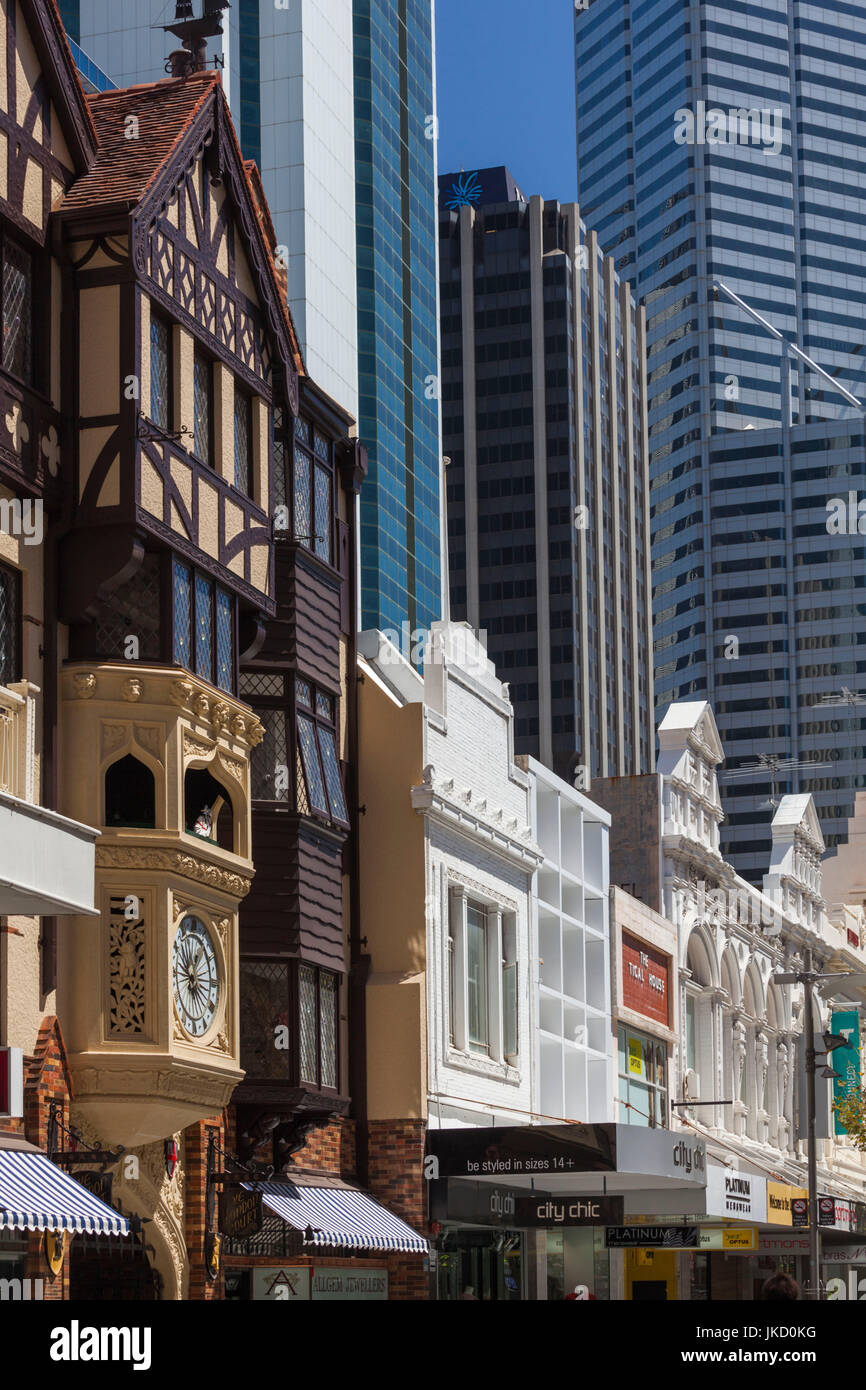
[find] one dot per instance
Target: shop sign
(645, 981)
(240, 1213)
(564, 1151)
(846, 1060)
(782, 1245)
(98, 1183)
(779, 1197)
(350, 1285)
(281, 1284)
(736, 1194)
(849, 1254)
(848, 1216)
(479, 1204)
(744, 1239)
(652, 1237)
(799, 1211)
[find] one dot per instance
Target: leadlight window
(319, 781)
(317, 1024)
(10, 625)
(160, 372)
(203, 408)
(312, 490)
(269, 761)
(264, 1010)
(17, 311)
(243, 441)
(279, 455)
(202, 627)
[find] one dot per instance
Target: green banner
(846, 1060)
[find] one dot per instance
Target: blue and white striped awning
(36, 1195)
(340, 1216)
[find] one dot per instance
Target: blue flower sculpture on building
(465, 191)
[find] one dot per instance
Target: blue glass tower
(395, 178)
(727, 143)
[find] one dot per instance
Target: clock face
(196, 977)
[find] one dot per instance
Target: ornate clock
(195, 973)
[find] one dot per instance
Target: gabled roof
(693, 719)
(45, 27)
(124, 169)
(796, 811)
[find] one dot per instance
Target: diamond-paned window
(269, 762)
(313, 490)
(331, 769)
(182, 615)
(327, 1029)
(17, 311)
(325, 705)
(322, 513)
(308, 1023)
(322, 447)
(132, 609)
(243, 442)
(263, 683)
(303, 509)
(312, 768)
(302, 801)
(203, 628)
(264, 1011)
(160, 373)
(203, 408)
(224, 644)
(304, 693)
(10, 625)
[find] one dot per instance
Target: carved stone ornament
(126, 976)
(84, 683)
(181, 692)
(255, 733)
(239, 725)
(114, 736)
(172, 861)
(233, 766)
(150, 739)
(131, 690)
(201, 705)
(220, 715)
(195, 747)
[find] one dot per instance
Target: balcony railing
(17, 727)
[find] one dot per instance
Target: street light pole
(808, 978)
(811, 1149)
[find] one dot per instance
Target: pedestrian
(469, 1294)
(781, 1288)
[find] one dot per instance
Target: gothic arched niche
(130, 794)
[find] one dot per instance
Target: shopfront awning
(36, 1195)
(340, 1216)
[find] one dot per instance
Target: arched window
(699, 1021)
(208, 808)
(130, 795)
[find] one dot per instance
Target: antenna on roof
(194, 34)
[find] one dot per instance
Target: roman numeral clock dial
(195, 973)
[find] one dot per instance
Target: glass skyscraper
(727, 143)
(398, 349)
(544, 417)
(335, 102)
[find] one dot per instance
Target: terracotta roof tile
(125, 168)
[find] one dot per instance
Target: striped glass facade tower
(544, 417)
(398, 347)
(728, 144)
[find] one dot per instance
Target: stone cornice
(499, 833)
(177, 861)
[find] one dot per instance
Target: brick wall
(635, 855)
(201, 1288)
(330, 1148)
(396, 1179)
(46, 1077)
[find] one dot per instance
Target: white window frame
(501, 952)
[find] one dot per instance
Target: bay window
(160, 372)
(16, 293)
(202, 626)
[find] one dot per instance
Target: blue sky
(506, 90)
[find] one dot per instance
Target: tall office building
(725, 144)
(333, 100)
(544, 416)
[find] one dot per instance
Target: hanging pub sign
(652, 1237)
(799, 1211)
(96, 1182)
(240, 1213)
